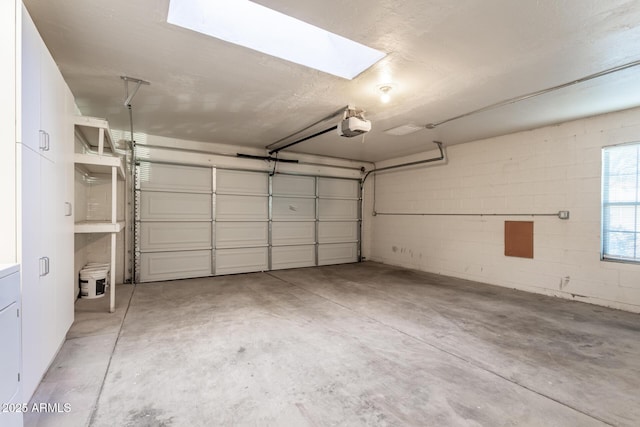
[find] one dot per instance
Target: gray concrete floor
(360, 344)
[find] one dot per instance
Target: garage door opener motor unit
(353, 123)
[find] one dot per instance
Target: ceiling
(445, 58)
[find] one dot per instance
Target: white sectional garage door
(338, 225)
(242, 221)
(174, 222)
(293, 227)
(198, 221)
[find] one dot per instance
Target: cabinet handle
(68, 209)
(48, 142)
(42, 140)
(44, 266)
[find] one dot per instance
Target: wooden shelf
(98, 227)
(99, 164)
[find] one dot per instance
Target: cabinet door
(31, 54)
(10, 354)
(34, 359)
(64, 223)
(52, 108)
(50, 219)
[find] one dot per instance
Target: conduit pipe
(536, 93)
(403, 165)
(387, 168)
(559, 214)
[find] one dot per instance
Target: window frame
(605, 226)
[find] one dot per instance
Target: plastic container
(93, 281)
(100, 266)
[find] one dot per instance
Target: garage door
(241, 222)
(338, 225)
(197, 221)
(293, 228)
(173, 222)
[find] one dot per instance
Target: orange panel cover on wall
(518, 239)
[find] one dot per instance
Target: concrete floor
(360, 344)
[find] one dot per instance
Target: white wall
(8, 135)
(540, 171)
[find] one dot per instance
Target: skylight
(259, 28)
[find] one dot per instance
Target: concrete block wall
(540, 171)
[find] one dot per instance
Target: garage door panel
(241, 234)
(158, 206)
(176, 178)
(242, 183)
(337, 210)
(185, 212)
(291, 185)
(165, 236)
(338, 188)
(293, 257)
(293, 233)
(231, 261)
(156, 266)
(291, 208)
(337, 232)
(241, 208)
(339, 253)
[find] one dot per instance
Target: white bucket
(99, 266)
(93, 282)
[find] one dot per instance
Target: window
(621, 203)
(257, 27)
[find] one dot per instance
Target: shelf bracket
(129, 96)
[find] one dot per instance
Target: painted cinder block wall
(539, 171)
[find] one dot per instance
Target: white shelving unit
(95, 132)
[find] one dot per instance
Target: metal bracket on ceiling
(129, 96)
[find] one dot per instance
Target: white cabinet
(32, 46)
(47, 280)
(45, 236)
(43, 90)
(10, 390)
